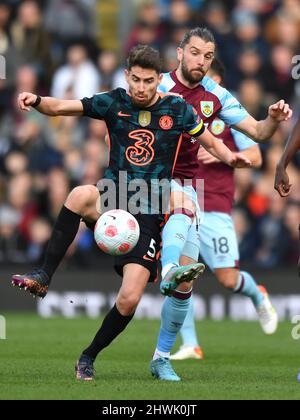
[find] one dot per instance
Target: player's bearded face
(196, 59)
(143, 84)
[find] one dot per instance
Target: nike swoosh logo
(122, 114)
(113, 217)
(145, 257)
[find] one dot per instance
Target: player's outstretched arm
(282, 181)
(252, 153)
(261, 131)
(218, 149)
(50, 106)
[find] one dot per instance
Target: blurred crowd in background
(75, 48)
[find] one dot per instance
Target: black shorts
(147, 251)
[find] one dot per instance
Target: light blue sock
(188, 330)
(248, 287)
(174, 237)
(173, 315)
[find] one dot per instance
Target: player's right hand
(282, 182)
(25, 100)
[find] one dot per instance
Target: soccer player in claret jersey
(145, 135)
(217, 241)
(196, 54)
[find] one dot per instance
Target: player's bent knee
(229, 284)
(228, 278)
(190, 206)
(187, 207)
(180, 202)
(81, 198)
(127, 303)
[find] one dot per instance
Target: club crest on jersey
(166, 122)
(207, 108)
(145, 118)
(217, 127)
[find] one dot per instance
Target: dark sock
(64, 233)
(113, 324)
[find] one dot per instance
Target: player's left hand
(280, 111)
(282, 182)
(240, 161)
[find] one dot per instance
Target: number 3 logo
(142, 153)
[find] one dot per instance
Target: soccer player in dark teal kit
(145, 136)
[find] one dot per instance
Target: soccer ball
(117, 232)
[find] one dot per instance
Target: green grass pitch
(37, 362)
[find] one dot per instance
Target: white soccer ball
(117, 232)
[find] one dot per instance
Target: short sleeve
(242, 142)
(192, 122)
(97, 106)
(167, 83)
(232, 111)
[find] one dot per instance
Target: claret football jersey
(219, 185)
(219, 110)
(210, 100)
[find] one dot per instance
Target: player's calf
(134, 282)
(243, 283)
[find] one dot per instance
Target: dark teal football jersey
(143, 142)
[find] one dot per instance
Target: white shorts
(216, 242)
